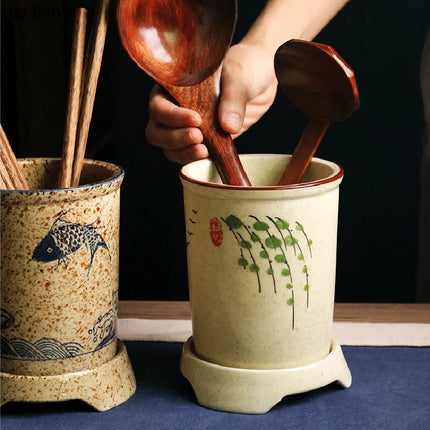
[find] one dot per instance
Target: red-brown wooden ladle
(181, 44)
(317, 81)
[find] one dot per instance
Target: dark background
(380, 147)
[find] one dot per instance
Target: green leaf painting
(243, 262)
(285, 272)
(290, 241)
(245, 244)
(273, 250)
(273, 242)
(261, 226)
(233, 222)
(255, 237)
(280, 258)
(282, 224)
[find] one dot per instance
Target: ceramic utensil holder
(59, 288)
(261, 269)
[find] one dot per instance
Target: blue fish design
(64, 238)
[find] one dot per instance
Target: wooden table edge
(417, 313)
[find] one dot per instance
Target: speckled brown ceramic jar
(59, 270)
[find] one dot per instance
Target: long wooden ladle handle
(305, 150)
(203, 99)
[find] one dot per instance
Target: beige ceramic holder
(59, 288)
(261, 268)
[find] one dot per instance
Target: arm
(282, 20)
(248, 81)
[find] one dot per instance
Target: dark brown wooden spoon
(317, 81)
(181, 45)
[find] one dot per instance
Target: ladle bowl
(161, 37)
(181, 45)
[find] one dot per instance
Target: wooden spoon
(181, 44)
(318, 82)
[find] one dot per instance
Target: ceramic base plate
(103, 387)
(257, 391)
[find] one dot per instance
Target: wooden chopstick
(93, 60)
(3, 185)
(75, 90)
(10, 171)
(6, 182)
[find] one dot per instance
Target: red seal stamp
(215, 230)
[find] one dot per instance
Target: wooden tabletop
(345, 312)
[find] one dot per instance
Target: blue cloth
(390, 390)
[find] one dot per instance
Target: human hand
(248, 88)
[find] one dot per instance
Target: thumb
(232, 103)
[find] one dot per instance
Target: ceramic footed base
(252, 391)
(103, 387)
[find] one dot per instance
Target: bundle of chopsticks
(11, 177)
(84, 73)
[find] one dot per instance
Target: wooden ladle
(181, 45)
(318, 82)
